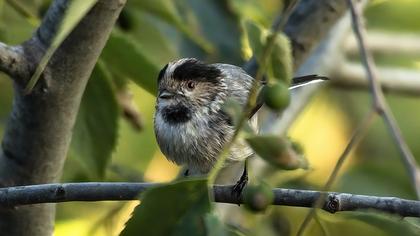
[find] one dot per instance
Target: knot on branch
(60, 193)
(332, 205)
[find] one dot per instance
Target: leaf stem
(253, 93)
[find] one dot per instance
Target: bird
(190, 124)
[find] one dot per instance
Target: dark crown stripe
(193, 69)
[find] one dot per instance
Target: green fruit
(281, 59)
(258, 197)
(277, 151)
(276, 96)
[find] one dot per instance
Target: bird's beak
(165, 94)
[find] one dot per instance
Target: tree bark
(39, 129)
(121, 191)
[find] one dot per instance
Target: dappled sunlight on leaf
(134, 148)
(183, 215)
(130, 61)
(93, 219)
(95, 131)
(75, 227)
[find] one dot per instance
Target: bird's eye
(191, 85)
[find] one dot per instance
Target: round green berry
(276, 96)
(258, 197)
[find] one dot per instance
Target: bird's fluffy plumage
(191, 128)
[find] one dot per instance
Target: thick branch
(100, 191)
(39, 129)
(309, 23)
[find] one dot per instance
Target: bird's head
(187, 88)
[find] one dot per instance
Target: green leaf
(217, 23)
(76, 10)
(173, 209)
(95, 132)
(388, 224)
(257, 11)
(361, 223)
(217, 228)
(277, 151)
(152, 36)
(368, 178)
(125, 57)
(167, 11)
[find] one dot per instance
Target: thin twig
(407, 157)
(28, 15)
(129, 108)
(253, 93)
(358, 134)
(120, 191)
(384, 43)
(379, 101)
(380, 107)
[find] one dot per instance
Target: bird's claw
(238, 188)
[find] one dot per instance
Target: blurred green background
(150, 33)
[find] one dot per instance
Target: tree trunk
(39, 129)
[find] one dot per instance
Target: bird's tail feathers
(306, 80)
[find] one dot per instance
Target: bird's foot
(239, 186)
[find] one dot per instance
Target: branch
(379, 100)
(38, 132)
(102, 191)
(306, 27)
(379, 107)
(11, 60)
(312, 22)
(130, 111)
(384, 43)
(392, 80)
(251, 102)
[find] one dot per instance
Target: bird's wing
(238, 82)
